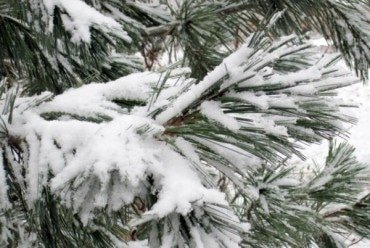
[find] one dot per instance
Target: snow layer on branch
(80, 17)
(181, 187)
(96, 99)
(248, 69)
(101, 146)
(213, 111)
(260, 97)
(195, 91)
(259, 100)
(114, 146)
(106, 163)
(51, 145)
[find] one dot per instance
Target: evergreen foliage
(193, 153)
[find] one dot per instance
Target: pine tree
(103, 145)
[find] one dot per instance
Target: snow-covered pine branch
(54, 45)
(151, 146)
(311, 211)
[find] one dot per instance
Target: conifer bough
(99, 149)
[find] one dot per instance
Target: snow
(107, 163)
(257, 99)
(79, 22)
(95, 99)
(181, 187)
(213, 111)
(117, 14)
(113, 146)
(266, 123)
(195, 91)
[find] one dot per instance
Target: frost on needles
(151, 147)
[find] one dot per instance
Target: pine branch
(242, 85)
(176, 157)
(284, 211)
(50, 61)
(334, 19)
